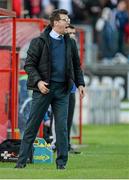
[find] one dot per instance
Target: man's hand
(82, 91)
(42, 87)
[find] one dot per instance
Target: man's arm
(79, 80)
(32, 60)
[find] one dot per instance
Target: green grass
(105, 154)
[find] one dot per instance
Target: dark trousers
(58, 98)
(121, 41)
(71, 108)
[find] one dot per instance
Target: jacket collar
(45, 34)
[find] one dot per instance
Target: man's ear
(55, 23)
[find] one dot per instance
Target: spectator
(93, 9)
(47, 8)
(121, 22)
(65, 4)
(107, 34)
(33, 7)
(79, 11)
(112, 4)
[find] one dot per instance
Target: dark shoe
(20, 166)
(61, 167)
(74, 151)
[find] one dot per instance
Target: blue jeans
(58, 98)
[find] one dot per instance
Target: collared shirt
(55, 35)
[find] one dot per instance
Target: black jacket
(38, 61)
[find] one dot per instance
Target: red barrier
(12, 16)
(5, 87)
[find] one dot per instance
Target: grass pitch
(105, 155)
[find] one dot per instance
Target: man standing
(52, 65)
(72, 99)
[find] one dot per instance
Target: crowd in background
(108, 18)
(113, 31)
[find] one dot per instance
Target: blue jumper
(57, 60)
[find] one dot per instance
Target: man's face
(61, 25)
(71, 32)
(122, 6)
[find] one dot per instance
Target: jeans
(58, 98)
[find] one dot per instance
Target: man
(50, 69)
(122, 19)
(72, 33)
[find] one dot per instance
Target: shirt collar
(54, 35)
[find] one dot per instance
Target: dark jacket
(38, 61)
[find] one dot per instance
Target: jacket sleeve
(79, 80)
(32, 60)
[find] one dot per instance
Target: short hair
(70, 26)
(56, 15)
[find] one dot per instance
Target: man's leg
(60, 111)
(39, 107)
(71, 108)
